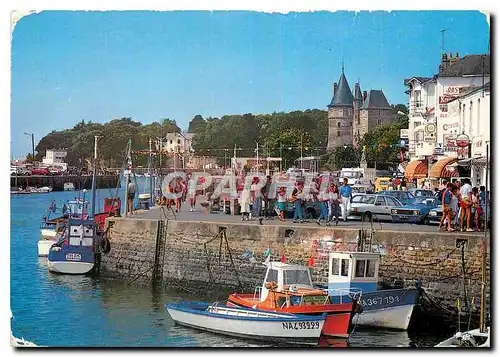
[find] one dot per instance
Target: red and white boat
(288, 288)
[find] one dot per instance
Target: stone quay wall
(186, 254)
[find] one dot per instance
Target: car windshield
(422, 193)
(421, 200)
(364, 199)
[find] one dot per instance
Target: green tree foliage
(197, 124)
(271, 131)
(79, 141)
(342, 157)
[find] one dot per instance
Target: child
(206, 204)
(476, 208)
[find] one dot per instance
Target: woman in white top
(244, 204)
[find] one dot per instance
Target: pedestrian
(454, 206)
(346, 194)
(268, 201)
(475, 207)
(466, 195)
(178, 189)
(244, 202)
(130, 196)
(323, 198)
(297, 197)
(446, 202)
(334, 204)
(256, 198)
(282, 203)
(206, 203)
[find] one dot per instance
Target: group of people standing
(333, 202)
(462, 203)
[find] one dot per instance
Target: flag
(267, 253)
(311, 262)
(283, 258)
(268, 259)
(458, 304)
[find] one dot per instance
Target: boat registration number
(73, 256)
(306, 325)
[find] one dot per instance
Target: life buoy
(105, 245)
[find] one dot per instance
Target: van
(382, 184)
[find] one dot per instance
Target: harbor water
(79, 311)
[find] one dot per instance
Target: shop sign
(445, 99)
(463, 152)
(462, 140)
(450, 126)
(452, 91)
(449, 142)
(404, 133)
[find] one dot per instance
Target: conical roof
(357, 92)
(343, 96)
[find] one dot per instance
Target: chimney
(364, 95)
(444, 62)
(334, 88)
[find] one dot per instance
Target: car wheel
(425, 221)
(311, 213)
(367, 217)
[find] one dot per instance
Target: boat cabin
(285, 277)
(352, 271)
(77, 208)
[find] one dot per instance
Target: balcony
(417, 106)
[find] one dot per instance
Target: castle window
(358, 133)
(338, 124)
(379, 112)
(358, 119)
(338, 133)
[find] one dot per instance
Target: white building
(434, 121)
(55, 157)
(176, 143)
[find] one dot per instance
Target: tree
(344, 156)
(197, 124)
(29, 158)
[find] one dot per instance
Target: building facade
(451, 105)
(55, 157)
(351, 116)
(176, 143)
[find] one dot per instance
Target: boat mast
(94, 174)
(482, 322)
(150, 172)
(127, 174)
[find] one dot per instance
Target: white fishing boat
(68, 186)
(472, 338)
(44, 189)
(248, 323)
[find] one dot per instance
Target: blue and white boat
(76, 251)
(248, 323)
(358, 271)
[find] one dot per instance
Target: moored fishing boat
(68, 186)
(288, 288)
(358, 271)
(248, 323)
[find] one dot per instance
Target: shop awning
(416, 169)
(440, 169)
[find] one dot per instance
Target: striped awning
(440, 169)
(416, 169)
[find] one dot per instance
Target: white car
(376, 207)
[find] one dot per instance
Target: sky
(98, 66)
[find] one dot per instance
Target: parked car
(40, 171)
(368, 206)
(13, 170)
(404, 197)
(435, 214)
(417, 192)
(415, 212)
(54, 171)
(23, 171)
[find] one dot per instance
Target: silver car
(376, 207)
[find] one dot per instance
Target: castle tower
(340, 114)
(358, 102)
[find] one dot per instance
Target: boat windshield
(296, 277)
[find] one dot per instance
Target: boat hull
(389, 308)
(292, 330)
(75, 268)
(338, 319)
(44, 247)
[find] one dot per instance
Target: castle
(350, 116)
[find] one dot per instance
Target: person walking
(256, 198)
(446, 202)
(130, 196)
(297, 197)
(475, 207)
(346, 194)
(323, 198)
(267, 200)
(466, 195)
(334, 204)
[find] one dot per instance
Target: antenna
(442, 39)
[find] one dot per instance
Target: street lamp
(32, 145)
